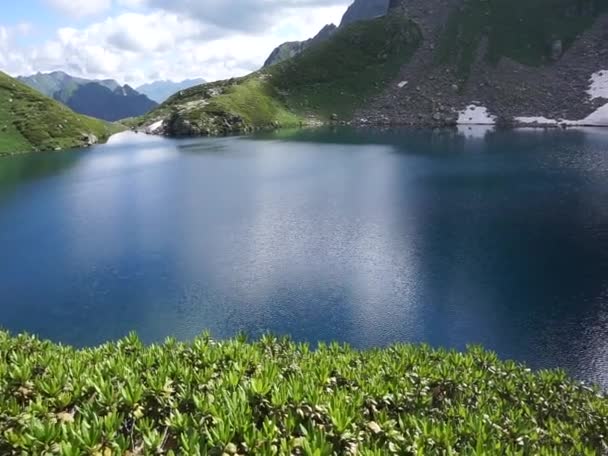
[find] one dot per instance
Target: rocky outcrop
(89, 139)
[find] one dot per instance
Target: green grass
(334, 77)
(30, 121)
(339, 75)
(276, 397)
(256, 101)
(522, 30)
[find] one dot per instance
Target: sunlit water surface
(366, 237)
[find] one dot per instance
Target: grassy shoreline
(273, 396)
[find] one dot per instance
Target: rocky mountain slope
(428, 62)
(159, 91)
(30, 121)
(360, 10)
(105, 99)
(499, 61)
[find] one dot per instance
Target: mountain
(327, 81)
(30, 121)
(362, 10)
(428, 63)
(159, 91)
(292, 48)
(105, 99)
(358, 11)
(511, 62)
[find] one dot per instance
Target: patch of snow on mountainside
(598, 118)
(599, 85)
(598, 88)
(475, 115)
(536, 121)
(155, 127)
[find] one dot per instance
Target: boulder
(88, 139)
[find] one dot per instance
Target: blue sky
(136, 41)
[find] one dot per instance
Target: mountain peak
(104, 99)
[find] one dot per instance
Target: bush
(277, 397)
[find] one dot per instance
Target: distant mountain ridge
(103, 99)
(360, 10)
(159, 91)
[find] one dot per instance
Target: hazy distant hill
(104, 99)
(159, 91)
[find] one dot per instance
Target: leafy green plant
(274, 396)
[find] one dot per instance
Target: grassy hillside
(30, 121)
(334, 77)
(276, 397)
(523, 30)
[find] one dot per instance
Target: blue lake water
(363, 236)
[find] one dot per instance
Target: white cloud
(9, 56)
(75, 8)
(135, 47)
(252, 16)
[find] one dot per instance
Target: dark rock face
(362, 10)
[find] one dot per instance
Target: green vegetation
(357, 62)
(30, 121)
(523, 30)
(277, 397)
(333, 77)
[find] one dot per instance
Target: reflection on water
(364, 236)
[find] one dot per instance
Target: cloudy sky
(136, 41)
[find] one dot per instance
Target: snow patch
(536, 121)
(598, 85)
(475, 115)
(598, 118)
(155, 127)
